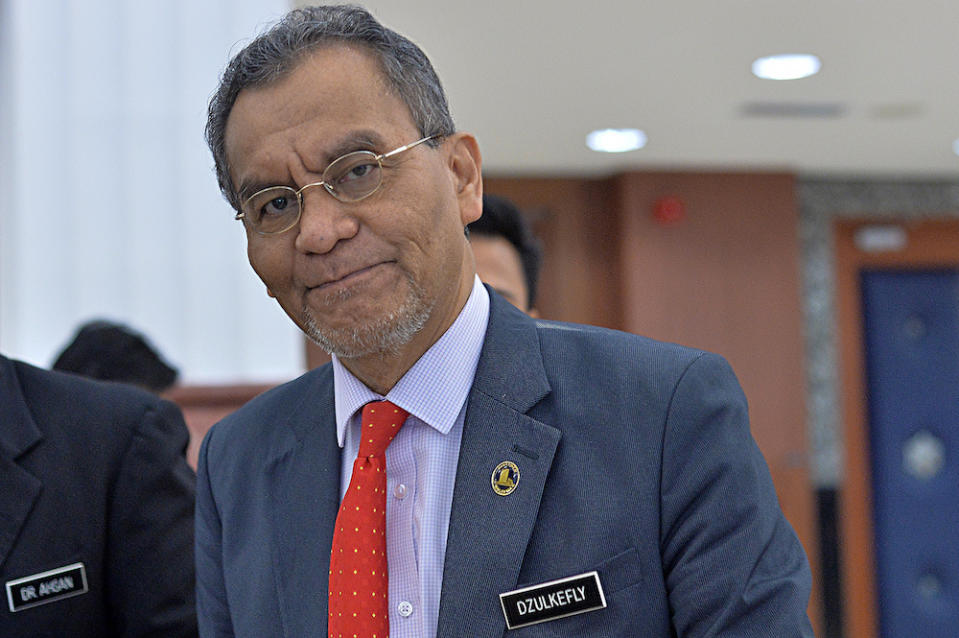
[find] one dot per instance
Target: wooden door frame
(931, 243)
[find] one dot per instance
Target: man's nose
(324, 221)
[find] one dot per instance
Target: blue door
(911, 321)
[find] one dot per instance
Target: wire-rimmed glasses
(348, 178)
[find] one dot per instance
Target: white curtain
(109, 206)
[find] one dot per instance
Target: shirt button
(400, 491)
(405, 608)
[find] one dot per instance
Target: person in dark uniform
(96, 509)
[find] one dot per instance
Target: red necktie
(359, 585)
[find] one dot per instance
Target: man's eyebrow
(245, 189)
(361, 140)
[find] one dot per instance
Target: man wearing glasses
(458, 469)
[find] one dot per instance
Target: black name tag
(47, 587)
(552, 600)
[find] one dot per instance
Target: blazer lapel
(488, 533)
(305, 483)
(18, 434)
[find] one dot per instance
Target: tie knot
(381, 422)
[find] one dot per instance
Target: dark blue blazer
(635, 460)
(94, 473)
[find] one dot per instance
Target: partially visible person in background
(96, 497)
(96, 509)
(114, 352)
(506, 252)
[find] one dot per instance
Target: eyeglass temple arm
(407, 147)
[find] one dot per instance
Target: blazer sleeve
(150, 561)
(213, 611)
(733, 564)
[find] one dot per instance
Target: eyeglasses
(348, 178)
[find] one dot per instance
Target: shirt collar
(436, 387)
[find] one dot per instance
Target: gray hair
(275, 53)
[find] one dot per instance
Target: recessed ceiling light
(616, 140)
(789, 66)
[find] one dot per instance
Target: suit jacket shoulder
(271, 423)
(58, 402)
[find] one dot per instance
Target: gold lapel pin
(505, 478)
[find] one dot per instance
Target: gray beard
(384, 335)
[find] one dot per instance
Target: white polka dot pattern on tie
(358, 567)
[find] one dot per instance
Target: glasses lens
(353, 176)
(272, 210)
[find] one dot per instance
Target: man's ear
(466, 165)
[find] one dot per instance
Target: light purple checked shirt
(420, 462)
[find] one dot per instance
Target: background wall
(110, 207)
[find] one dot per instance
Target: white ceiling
(532, 77)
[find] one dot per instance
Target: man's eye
(275, 206)
(359, 172)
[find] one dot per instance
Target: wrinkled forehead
(331, 90)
